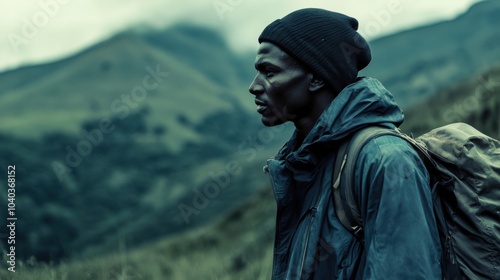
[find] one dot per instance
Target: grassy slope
(238, 246)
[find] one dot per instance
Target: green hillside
(96, 84)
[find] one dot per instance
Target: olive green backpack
(464, 165)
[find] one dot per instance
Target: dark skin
(285, 91)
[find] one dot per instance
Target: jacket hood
(362, 103)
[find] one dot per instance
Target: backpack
(464, 165)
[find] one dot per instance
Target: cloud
(376, 17)
(38, 31)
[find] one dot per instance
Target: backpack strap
(345, 203)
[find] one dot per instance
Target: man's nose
(255, 88)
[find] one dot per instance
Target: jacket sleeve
(401, 236)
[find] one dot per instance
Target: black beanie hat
(325, 42)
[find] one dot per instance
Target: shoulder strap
(346, 206)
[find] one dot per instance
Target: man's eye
(269, 73)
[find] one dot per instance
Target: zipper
(313, 215)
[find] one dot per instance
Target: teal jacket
(391, 185)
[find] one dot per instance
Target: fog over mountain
(40, 31)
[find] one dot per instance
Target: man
(307, 66)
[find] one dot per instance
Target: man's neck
(305, 124)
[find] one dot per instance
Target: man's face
(281, 86)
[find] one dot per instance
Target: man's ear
(316, 84)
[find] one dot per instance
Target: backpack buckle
(357, 231)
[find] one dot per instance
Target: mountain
(415, 63)
(107, 79)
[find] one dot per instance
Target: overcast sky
(45, 30)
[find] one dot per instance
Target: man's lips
(259, 102)
(261, 105)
